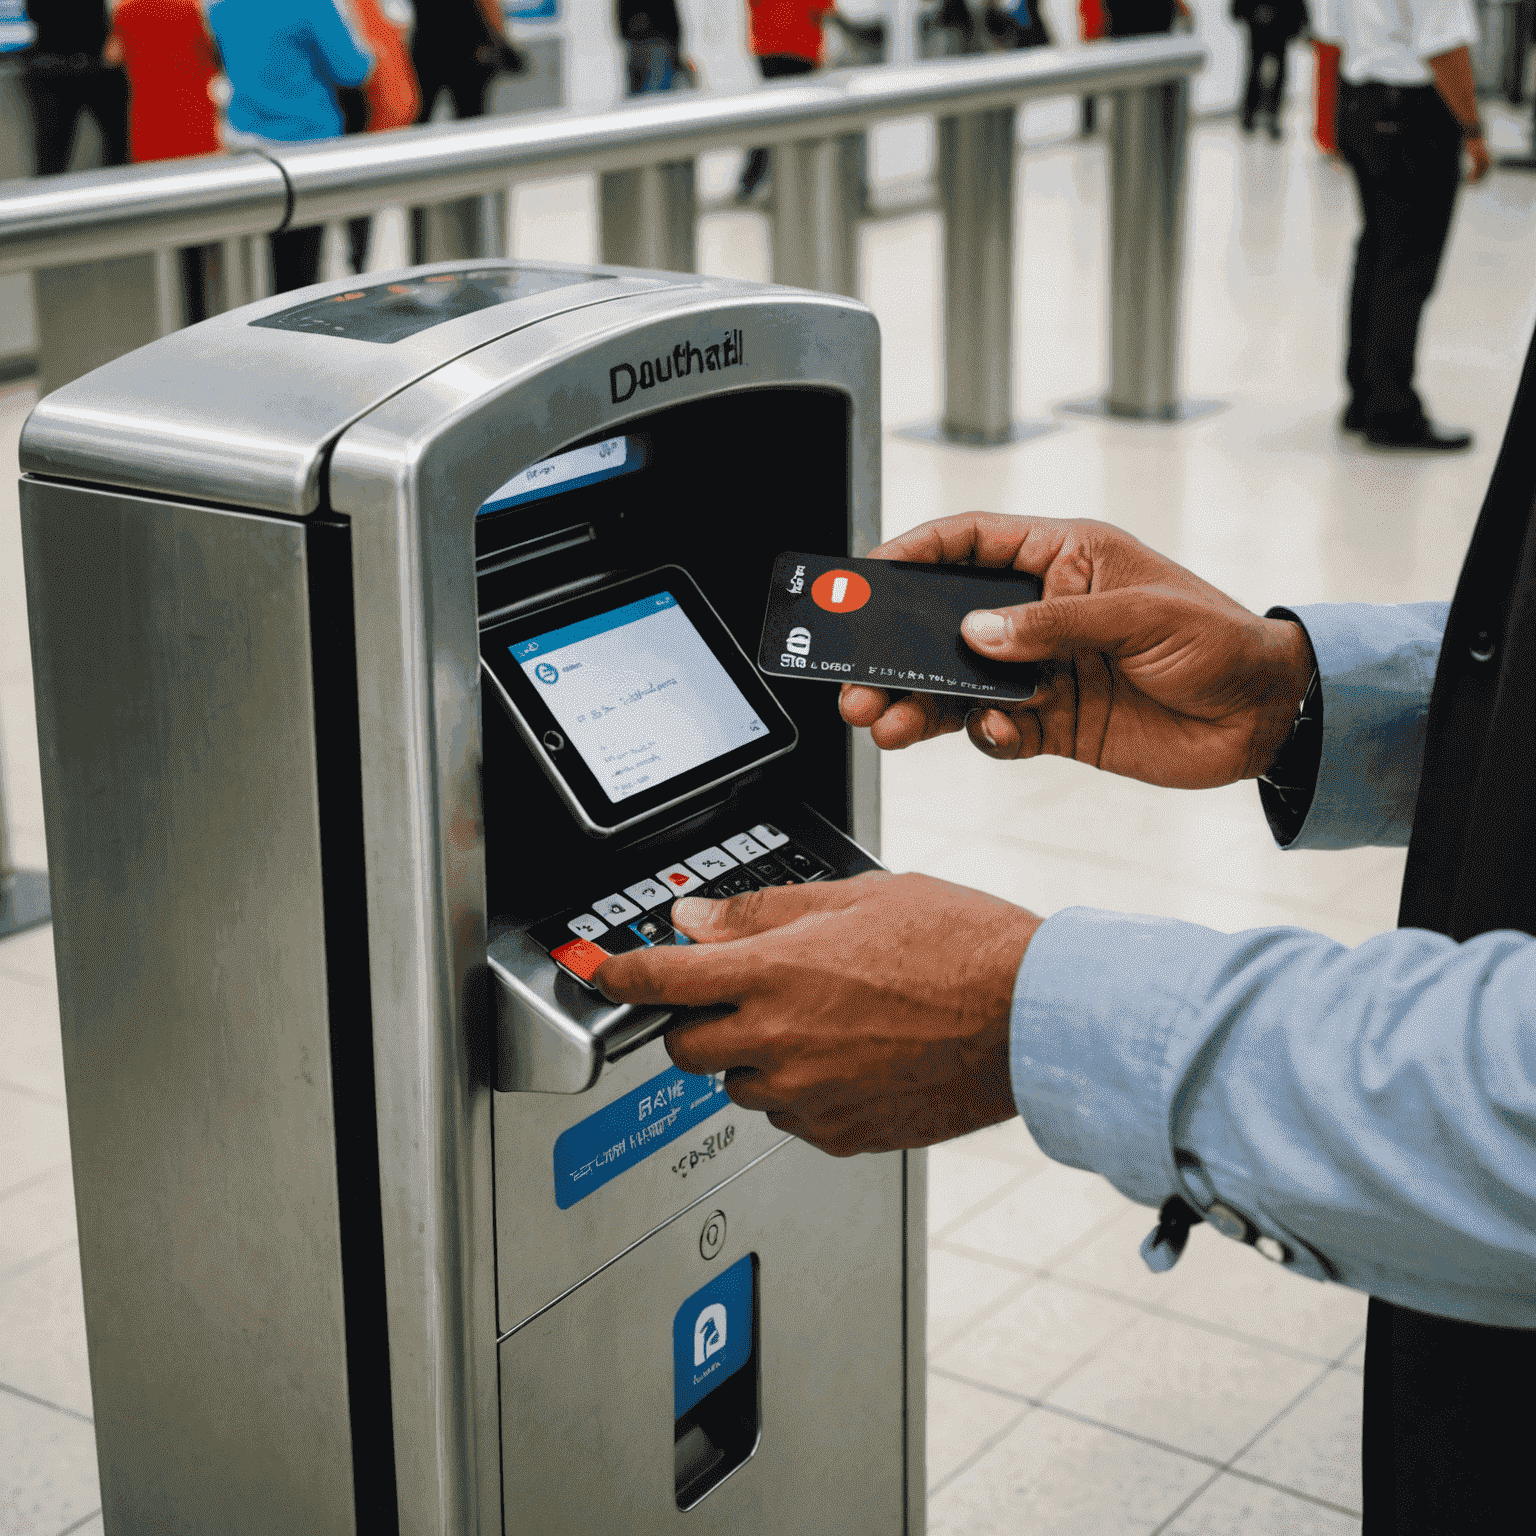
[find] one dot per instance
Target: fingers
(741, 917)
(685, 975)
(1062, 626)
(862, 706)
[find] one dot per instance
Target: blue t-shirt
(285, 60)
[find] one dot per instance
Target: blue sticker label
(712, 1335)
(627, 1131)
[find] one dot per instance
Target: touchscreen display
(639, 694)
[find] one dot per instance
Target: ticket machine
(390, 645)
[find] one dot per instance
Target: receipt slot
(391, 663)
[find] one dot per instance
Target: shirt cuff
(1097, 1048)
(1377, 667)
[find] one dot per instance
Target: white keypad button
(679, 879)
(744, 847)
(649, 893)
(707, 863)
(587, 927)
(615, 909)
(769, 836)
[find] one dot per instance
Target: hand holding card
(892, 625)
(1147, 671)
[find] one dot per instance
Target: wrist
(1284, 673)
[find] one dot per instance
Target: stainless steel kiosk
(387, 1220)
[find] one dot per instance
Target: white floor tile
(48, 1477)
(1027, 1345)
(31, 1053)
(1229, 1285)
(34, 1137)
(42, 1346)
(29, 955)
(1054, 1475)
(959, 1289)
(37, 1219)
(1233, 1507)
(1009, 1142)
(1184, 1387)
(1112, 1260)
(1046, 1214)
(958, 1182)
(961, 1420)
(1315, 1448)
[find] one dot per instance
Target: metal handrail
(644, 151)
(97, 215)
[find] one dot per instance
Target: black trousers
(1264, 43)
(1405, 150)
(1449, 1423)
(59, 98)
(296, 257)
(771, 66)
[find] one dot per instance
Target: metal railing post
(23, 892)
(647, 217)
(817, 199)
(1147, 169)
(461, 230)
(976, 155)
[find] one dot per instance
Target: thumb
(1060, 626)
(740, 917)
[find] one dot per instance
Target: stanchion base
(1185, 410)
(23, 901)
(1516, 163)
(1018, 432)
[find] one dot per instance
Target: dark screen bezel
(571, 778)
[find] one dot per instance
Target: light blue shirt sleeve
(1366, 1116)
(1377, 666)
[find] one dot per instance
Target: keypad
(711, 863)
(637, 917)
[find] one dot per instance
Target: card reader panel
(554, 1030)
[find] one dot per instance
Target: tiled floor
(1072, 1392)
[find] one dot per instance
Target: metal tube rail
(91, 215)
(644, 153)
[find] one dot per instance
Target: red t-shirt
(169, 59)
(790, 27)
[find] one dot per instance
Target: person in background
(286, 60)
(786, 39)
(1271, 26)
(166, 50)
(1407, 110)
(66, 76)
(1325, 95)
(1142, 18)
(460, 46)
(652, 34)
(390, 99)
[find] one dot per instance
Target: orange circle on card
(840, 591)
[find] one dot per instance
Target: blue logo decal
(546, 673)
(625, 1132)
(712, 1335)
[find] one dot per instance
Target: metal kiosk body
(377, 1226)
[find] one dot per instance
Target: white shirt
(1389, 40)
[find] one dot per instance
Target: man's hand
(868, 1014)
(1478, 158)
(1149, 671)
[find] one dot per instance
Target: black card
(891, 624)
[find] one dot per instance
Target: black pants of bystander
(1405, 150)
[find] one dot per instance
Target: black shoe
(1422, 435)
(1246, 124)
(1274, 130)
(1353, 419)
